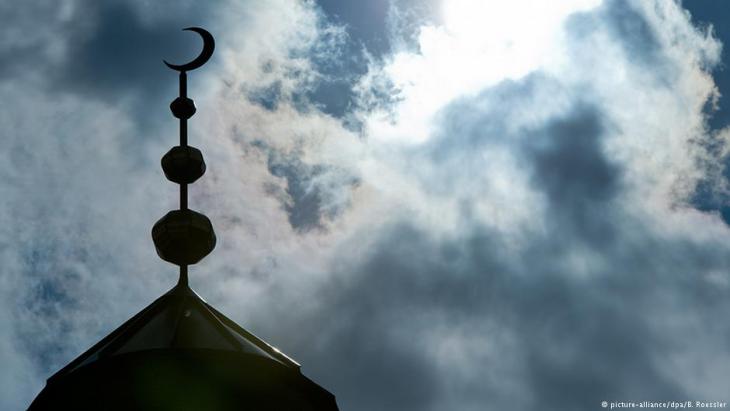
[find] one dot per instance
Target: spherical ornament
(183, 237)
(182, 107)
(183, 165)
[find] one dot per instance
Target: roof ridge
(177, 319)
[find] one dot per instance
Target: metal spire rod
(183, 139)
(184, 236)
(183, 279)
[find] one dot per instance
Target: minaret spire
(180, 353)
(183, 237)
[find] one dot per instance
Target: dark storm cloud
(568, 159)
(15, 59)
(114, 51)
(578, 342)
(581, 333)
(629, 27)
(565, 153)
(25, 42)
(637, 36)
(570, 167)
(366, 353)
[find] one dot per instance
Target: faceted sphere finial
(183, 164)
(182, 107)
(183, 237)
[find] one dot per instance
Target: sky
(430, 205)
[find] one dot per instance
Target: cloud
(538, 249)
(499, 212)
(308, 196)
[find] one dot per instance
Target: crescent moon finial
(208, 47)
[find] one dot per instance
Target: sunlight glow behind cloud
(480, 43)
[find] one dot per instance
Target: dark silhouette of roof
(180, 353)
